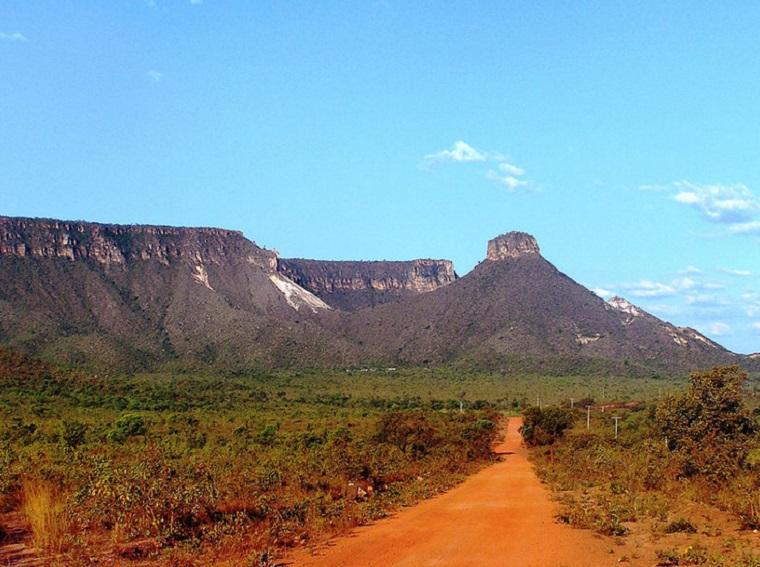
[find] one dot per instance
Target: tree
(130, 425)
(708, 427)
(479, 437)
(545, 426)
(73, 434)
(411, 432)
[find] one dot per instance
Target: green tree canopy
(709, 425)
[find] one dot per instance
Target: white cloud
(14, 36)
(603, 293)
(509, 181)
(460, 152)
(749, 227)
(717, 328)
(719, 309)
(510, 169)
(751, 303)
(719, 203)
(505, 173)
(734, 206)
(648, 288)
(756, 325)
(664, 309)
(705, 299)
(658, 188)
(735, 272)
(690, 270)
(155, 76)
(683, 284)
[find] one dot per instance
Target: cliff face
(511, 245)
(117, 245)
(354, 285)
(130, 296)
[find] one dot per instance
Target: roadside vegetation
(194, 469)
(682, 477)
(198, 468)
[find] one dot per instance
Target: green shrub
(545, 426)
(709, 427)
(409, 431)
(480, 436)
(73, 434)
(130, 425)
(267, 436)
(147, 498)
(680, 525)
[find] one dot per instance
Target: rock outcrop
(511, 245)
(354, 285)
(111, 244)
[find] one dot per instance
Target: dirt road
(501, 516)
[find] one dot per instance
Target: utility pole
(588, 417)
(616, 418)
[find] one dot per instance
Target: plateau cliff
(132, 297)
(355, 285)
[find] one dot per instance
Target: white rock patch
(296, 296)
(692, 334)
(679, 340)
(201, 276)
(585, 339)
(620, 304)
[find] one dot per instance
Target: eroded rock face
(511, 245)
(354, 285)
(116, 245)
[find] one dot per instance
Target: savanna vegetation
(195, 468)
(682, 478)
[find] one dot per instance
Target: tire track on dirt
(500, 516)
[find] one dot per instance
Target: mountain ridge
(139, 295)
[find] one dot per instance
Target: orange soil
(500, 516)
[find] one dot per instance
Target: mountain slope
(132, 296)
(516, 304)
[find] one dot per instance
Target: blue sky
(625, 136)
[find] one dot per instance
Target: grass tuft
(44, 509)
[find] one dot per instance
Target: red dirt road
(501, 516)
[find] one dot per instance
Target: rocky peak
(512, 245)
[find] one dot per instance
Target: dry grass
(44, 508)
